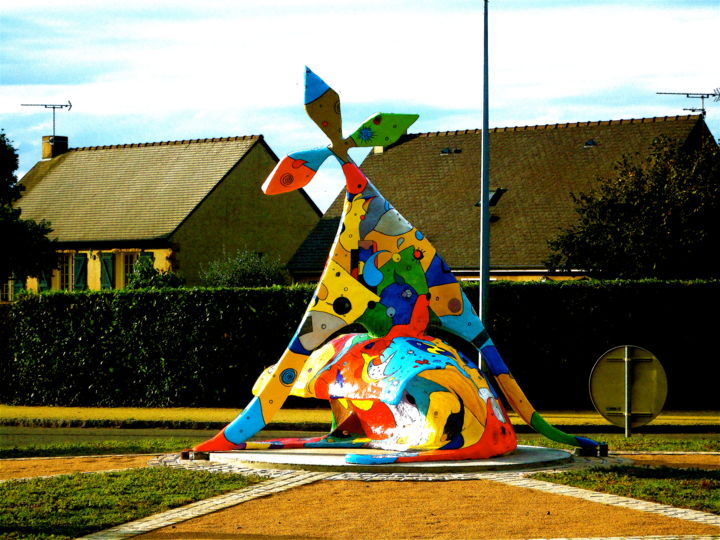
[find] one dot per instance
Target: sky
(156, 70)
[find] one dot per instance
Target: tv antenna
(697, 95)
(49, 106)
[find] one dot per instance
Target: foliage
(206, 347)
(683, 488)
(10, 190)
(71, 506)
(656, 219)
(146, 276)
(245, 269)
(26, 249)
(151, 347)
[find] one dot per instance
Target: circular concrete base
(315, 459)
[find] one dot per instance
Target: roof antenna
(696, 95)
(49, 106)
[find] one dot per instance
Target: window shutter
(107, 270)
(43, 282)
(148, 255)
(18, 285)
(80, 268)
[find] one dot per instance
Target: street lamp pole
(485, 183)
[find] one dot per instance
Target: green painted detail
(376, 321)
(408, 268)
(382, 129)
(540, 425)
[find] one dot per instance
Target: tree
(245, 269)
(24, 244)
(146, 276)
(656, 219)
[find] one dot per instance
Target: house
(433, 179)
(182, 203)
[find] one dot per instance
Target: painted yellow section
(363, 404)
(441, 405)
(350, 235)
(395, 244)
(273, 393)
(456, 382)
(473, 429)
(339, 283)
(319, 359)
(515, 396)
(446, 299)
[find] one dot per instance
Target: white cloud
(137, 69)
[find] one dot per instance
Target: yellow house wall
(237, 215)
(162, 262)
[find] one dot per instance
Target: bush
(146, 276)
(154, 348)
(245, 269)
(206, 347)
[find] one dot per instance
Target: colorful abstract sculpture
(395, 387)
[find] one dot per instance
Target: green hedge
(173, 347)
(205, 347)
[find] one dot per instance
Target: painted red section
(376, 421)
(354, 178)
(218, 444)
(419, 321)
(289, 174)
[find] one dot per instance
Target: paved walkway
(281, 480)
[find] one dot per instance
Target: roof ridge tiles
(168, 143)
(562, 125)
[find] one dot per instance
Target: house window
(128, 262)
(65, 268)
(6, 291)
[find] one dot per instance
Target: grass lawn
(73, 505)
(651, 442)
(79, 504)
(683, 488)
(18, 442)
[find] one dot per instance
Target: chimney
(53, 146)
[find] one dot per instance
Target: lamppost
(485, 182)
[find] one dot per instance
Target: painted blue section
(456, 442)
(493, 360)
(314, 86)
(247, 424)
(586, 443)
(400, 299)
(313, 158)
(371, 274)
(399, 364)
(367, 459)
(439, 273)
(466, 325)
(296, 347)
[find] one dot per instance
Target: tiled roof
(433, 179)
(128, 192)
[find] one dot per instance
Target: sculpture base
(333, 459)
